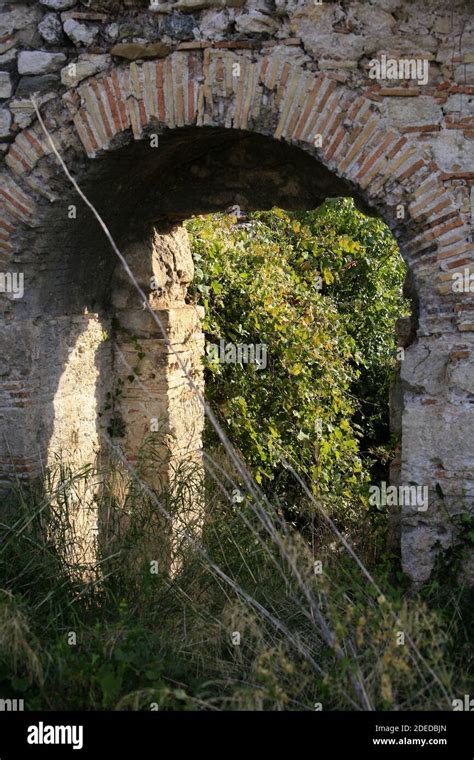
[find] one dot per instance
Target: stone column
(156, 418)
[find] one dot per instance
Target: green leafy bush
(322, 290)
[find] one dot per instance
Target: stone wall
(296, 76)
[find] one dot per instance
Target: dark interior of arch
(205, 169)
(192, 171)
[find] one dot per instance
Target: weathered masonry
(192, 106)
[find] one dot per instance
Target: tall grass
(254, 615)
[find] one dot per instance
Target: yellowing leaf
(296, 369)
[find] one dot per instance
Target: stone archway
(265, 93)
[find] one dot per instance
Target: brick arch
(279, 98)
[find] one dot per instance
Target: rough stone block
(59, 5)
(86, 66)
(81, 34)
(39, 62)
(5, 122)
(421, 110)
(51, 29)
(5, 85)
(452, 153)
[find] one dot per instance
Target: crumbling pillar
(156, 417)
